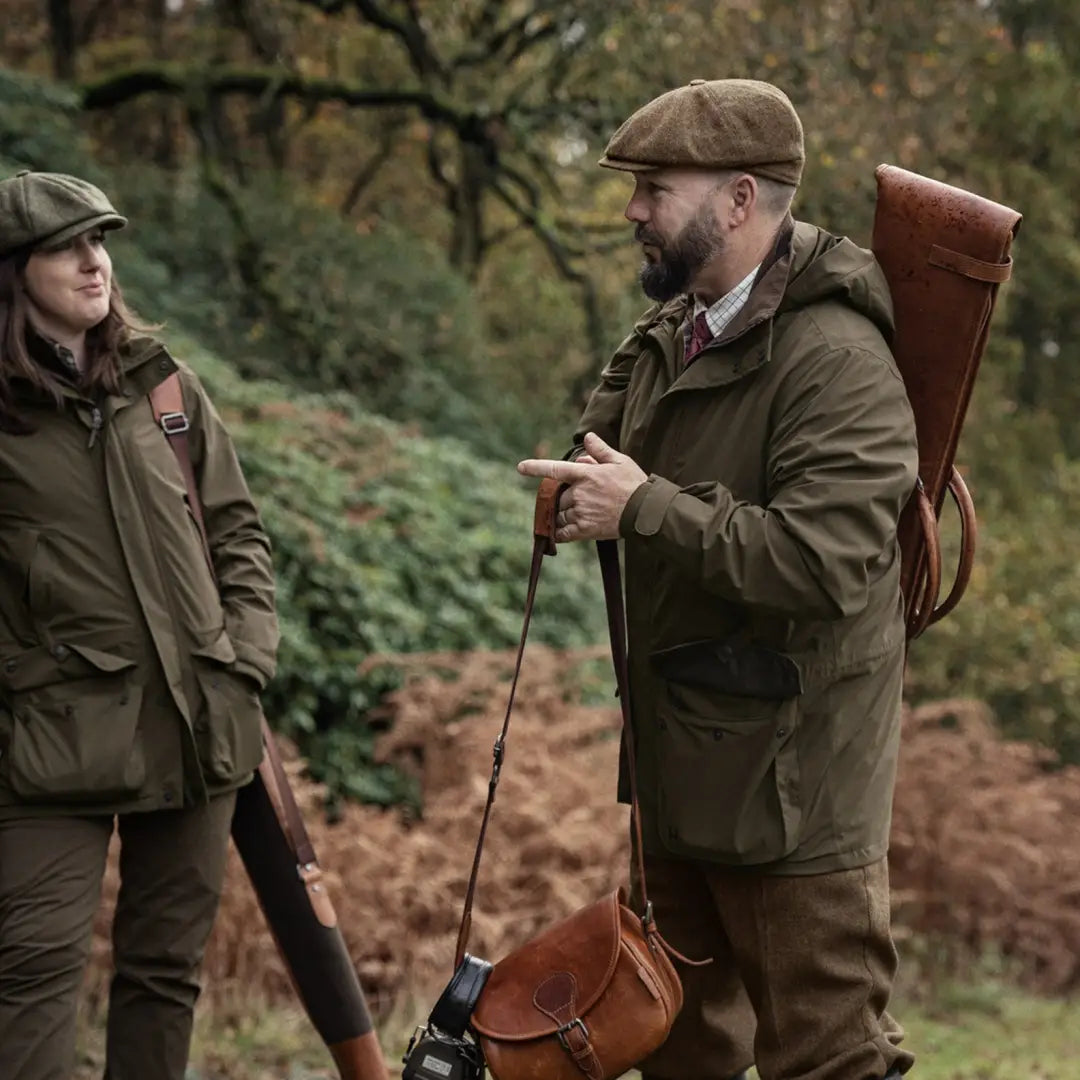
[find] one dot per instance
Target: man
(752, 444)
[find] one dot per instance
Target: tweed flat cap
(718, 124)
(42, 209)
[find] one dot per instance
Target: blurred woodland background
(377, 230)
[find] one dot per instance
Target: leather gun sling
(547, 503)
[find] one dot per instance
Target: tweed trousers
(800, 978)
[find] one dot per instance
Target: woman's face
(68, 287)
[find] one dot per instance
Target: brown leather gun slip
(944, 252)
(269, 833)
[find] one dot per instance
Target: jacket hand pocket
(74, 725)
(729, 776)
(228, 723)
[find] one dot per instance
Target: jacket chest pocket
(73, 735)
(228, 724)
(728, 776)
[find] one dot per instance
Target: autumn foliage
(983, 856)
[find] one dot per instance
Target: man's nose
(635, 211)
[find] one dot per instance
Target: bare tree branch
(437, 169)
(515, 34)
(411, 34)
(562, 257)
(371, 168)
(485, 21)
(166, 78)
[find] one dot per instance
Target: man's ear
(744, 198)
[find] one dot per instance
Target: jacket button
(781, 732)
(717, 735)
(69, 711)
(163, 364)
(10, 665)
(60, 652)
(168, 796)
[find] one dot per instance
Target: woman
(129, 676)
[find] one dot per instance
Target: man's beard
(698, 243)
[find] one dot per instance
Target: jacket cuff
(251, 662)
(645, 511)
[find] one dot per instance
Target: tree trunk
(62, 33)
(166, 152)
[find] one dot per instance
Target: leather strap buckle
(310, 874)
(563, 1033)
(174, 423)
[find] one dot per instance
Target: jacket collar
(769, 287)
(52, 356)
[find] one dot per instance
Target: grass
(989, 1032)
(984, 1030)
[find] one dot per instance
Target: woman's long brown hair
(103, 345)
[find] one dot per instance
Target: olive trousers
(801, 973)
(172, 867)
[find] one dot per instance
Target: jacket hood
(826, 267)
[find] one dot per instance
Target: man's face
(675, 218)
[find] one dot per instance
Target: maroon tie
(700, 336)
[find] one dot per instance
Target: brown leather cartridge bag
(589, 997)
(595, 993)
(944, 252)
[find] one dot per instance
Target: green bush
(384, 542)
(287, 291)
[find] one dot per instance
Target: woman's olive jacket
(129, 679)
(764, 615)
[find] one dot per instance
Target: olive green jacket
(765, 539)
(127, 680)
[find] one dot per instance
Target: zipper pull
(96, 422)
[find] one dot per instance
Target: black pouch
(455, 1005)
(732, 666)
(445, 1048)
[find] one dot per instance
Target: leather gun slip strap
(269, 832)
(168, 404)
(944, 252)
(547, 503)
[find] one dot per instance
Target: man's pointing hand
(599, 490)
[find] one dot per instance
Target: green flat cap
(717, 124)
(42, 209)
